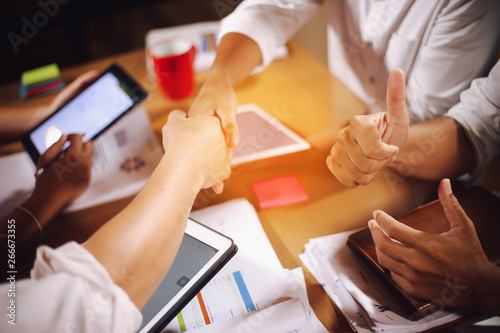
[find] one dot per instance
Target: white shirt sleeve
(270, 23)
(479, 114)
(460, 46)
(69, 291)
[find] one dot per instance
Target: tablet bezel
(139, 96)
(226, 250)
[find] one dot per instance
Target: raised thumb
(397, 120)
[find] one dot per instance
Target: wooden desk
(301, 93)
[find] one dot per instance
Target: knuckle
(356, 121)
(373, 151)
(363, 179)
(368, 167)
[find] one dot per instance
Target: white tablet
(262, 136)
(203, 252)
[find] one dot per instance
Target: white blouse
(69, 291)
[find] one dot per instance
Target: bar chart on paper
(225, 296)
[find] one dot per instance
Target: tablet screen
(88, 113)
(192, 256)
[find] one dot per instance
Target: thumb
(73, 88)
(452, 209)
(230, 128)
(52, 152)
(396, 131)
(176, 116)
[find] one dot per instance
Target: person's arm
(15, 121)
(64, 179)
(138, 246)
(237, 56)
(435, 149)
(427, 264)
(251, 35)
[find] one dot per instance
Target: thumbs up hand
(370, 142)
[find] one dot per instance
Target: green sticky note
(40, 74)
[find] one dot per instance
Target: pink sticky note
(279, 191)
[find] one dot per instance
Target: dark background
(69, 32)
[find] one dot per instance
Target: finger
(176, 116)
(452, 208)
(396, 115)
(363, 129)
(52, 152)
(341, 165)
(396, 109)
(76, 140)
(229, 126)
(351, 170)
(218, 188)
(364, 164)
(88, 151)
(73, 88)
(339, 173)
(419, 288)
(397, 230)
(386, 246)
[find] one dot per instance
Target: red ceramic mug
(173, 63)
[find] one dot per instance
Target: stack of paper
(356, 294)
(124, 158)
(252, 293)
(41, 81)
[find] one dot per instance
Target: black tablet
(90, 112)
(203, 252)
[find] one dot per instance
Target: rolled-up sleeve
(479, 115)
(70, 291)
(270, 23)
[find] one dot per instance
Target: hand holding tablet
(90, 112)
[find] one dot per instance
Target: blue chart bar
(244, 291)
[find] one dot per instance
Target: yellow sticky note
(40, 74)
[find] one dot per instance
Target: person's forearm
(138, 246)
(487, 297)
(435, 149)
(237, 56)
(15, 121)
(27, 231)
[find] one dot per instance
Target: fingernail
(394, 157)
(375, 214)
(370, 224)
(218, 188)
(447, 186)
(234, 140)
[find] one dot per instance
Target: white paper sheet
(356, 294)
(260, 273)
